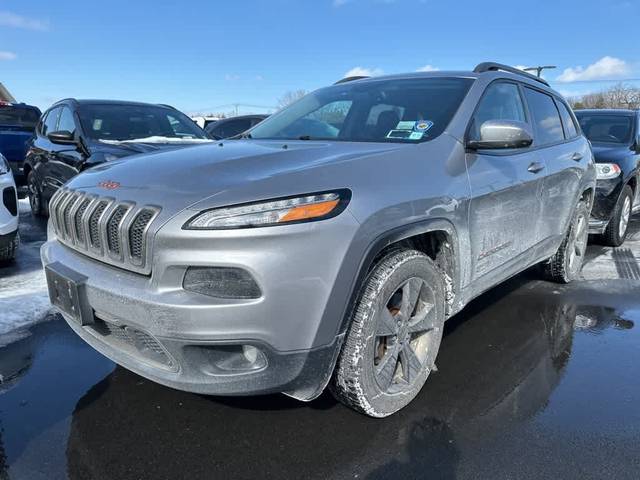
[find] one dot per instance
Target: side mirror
(636, 146)
(63, 137)
(502, 134)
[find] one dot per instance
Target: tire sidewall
(626, 192)
(37, 208)
(581, 210)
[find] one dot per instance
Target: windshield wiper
(304, 137)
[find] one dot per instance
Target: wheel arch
(437, 238)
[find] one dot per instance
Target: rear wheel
(616, 231)
(8, 251)
(394, 337)
(35, 195)
(566, 264)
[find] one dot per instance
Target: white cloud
(428, 68)
(520, 67)
(231, 77)
(363, 72)
(606, 67)
(10, 19)
(7, 55)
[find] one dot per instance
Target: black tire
(388, 355)
(616, 231)
(35, 196)
(8, 251)
(566, 264)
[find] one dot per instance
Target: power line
(604, 80)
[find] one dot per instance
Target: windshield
(396, 110)
(19, 116)
(606, 128)
(113, 122)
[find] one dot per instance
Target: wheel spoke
(410, 294)
(411, 365)
(424, 320)
(387, 324)
(387, 368)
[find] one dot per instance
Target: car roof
(87, 101)
(491, 74)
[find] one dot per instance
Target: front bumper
(8, 206)
(152, 326)
(606, 198)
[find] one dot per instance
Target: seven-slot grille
(103, 228)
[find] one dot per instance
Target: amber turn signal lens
(304, 212)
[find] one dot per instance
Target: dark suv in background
(74, 135)
(17, 125)
(615, 138)
(230, 127)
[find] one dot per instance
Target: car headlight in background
(607, 171)
(305, 208)
(4, 165)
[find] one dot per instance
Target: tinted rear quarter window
(570, 130)
(546, 119)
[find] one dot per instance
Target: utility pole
(539, 69)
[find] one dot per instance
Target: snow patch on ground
(23, 298)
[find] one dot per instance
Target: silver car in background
(328, 245)
(9, 238)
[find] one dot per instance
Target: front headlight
(306, 208)
(607, 171)
(4, 165)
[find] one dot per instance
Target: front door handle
(536, 167)
(576, 157)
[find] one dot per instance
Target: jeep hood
(606, 153)
(226, 173)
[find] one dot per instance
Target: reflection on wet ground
(534, 381)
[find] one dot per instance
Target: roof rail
(494, 67)
(350, 79)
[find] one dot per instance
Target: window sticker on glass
(410, 129)
(423, 125)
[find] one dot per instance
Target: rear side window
(501, 101)
(546, 119)
(570, 130)
(230, 128)
(17, 116)
(66, 121)
(50, 123)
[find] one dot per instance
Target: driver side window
(501, 101)
(333, 115)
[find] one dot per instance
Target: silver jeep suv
(327, 245)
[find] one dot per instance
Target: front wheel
(394, 336)
(616, 231)
(35, 195)
(566, 264)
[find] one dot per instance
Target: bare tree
(289, 97)
(618, 96)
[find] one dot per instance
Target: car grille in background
(103, 228)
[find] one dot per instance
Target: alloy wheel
(403, 336)
(625, 216)
(579, 246)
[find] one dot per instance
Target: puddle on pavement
(535, 377)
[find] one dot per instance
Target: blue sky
(197, 55)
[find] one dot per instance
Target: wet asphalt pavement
(534, 380)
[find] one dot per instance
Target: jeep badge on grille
(109, 185)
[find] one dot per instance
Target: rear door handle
(536, 167)
(576, 157)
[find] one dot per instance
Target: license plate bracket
(67, 293)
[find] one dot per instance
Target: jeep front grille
(109, 230)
